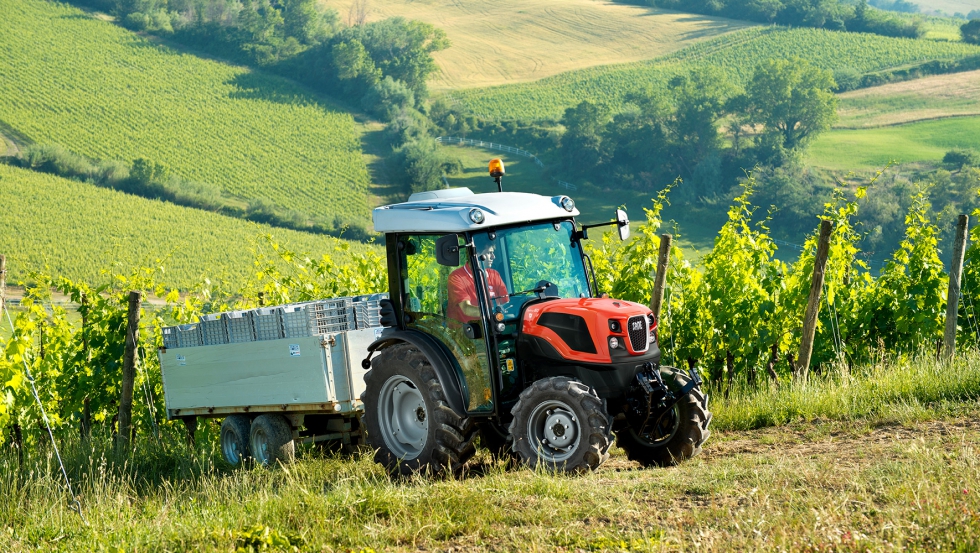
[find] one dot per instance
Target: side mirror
(624, 224)
(447, 250)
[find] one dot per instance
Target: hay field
(949, 6)
(511, 41)
(905, 102)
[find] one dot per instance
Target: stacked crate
(297, 320)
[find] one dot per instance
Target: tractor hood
(580, 329)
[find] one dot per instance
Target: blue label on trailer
(181, 360)
(294, 350)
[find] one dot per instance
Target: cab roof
(449, 211)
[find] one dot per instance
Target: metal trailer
(278, 375)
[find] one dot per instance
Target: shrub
(962, 158)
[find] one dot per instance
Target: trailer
(277, 375)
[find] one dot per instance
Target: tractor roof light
(567, 204)
(496, 168)
(477, 216)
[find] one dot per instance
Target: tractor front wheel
(408, 420)
(562, 425)
(679, 434)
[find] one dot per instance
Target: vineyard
(77, 230)
(737, 54)
(736, 314)
(106, 93)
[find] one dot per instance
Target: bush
(387, 98)
(962, 158)
(970, 31)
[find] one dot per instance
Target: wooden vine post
(813, 301)
(955, 278)
(3, 282)
(661, 279)
(129, 370)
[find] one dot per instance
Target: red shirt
(462, 287)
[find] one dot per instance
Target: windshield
(525, 256)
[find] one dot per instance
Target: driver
(463, 303)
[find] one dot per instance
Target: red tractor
(496, 328)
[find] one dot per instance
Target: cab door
(426, 286)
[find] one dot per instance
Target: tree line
(835, 15)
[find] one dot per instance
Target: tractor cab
(494, 320)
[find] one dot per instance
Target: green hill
(104, 92)
(77, 229)
(736, 53)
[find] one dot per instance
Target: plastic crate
(213, 330)
(188, 336)
(268, 323)
(333, 315)
(367, 310)
(170, 337)
(239, 325)
(295, 321)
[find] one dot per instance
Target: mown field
(889, 462)
(737, 54)
(499, 42)
(933, 97)
(104, 92)
(847, 149)
(949, 6)
(77, 229)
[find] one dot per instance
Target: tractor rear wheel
(681, 431)
(408, 419)
(562, 425)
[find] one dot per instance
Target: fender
(440, 359)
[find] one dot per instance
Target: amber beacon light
(497, 171)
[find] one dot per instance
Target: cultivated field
(104, 92)
(847, 149)
(933, 97)
(78, 229)
(510, 41)
(737, 54)
(896, 470)
(949, 6)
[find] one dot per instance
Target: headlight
(567, 203)
(613, 342)
(477, 216)
(615, 326)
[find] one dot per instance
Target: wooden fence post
(3, 282)
(129, 370)
(658, 284)
(813, 301)
(955, 278)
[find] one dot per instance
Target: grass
(933, 97)
(846, 149)
(498, 42)
(107, 93)
(856, 484)
(77, 229)
(737, 54)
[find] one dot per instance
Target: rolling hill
(77, 230)
(736, 53)
(922, 99)
(107, 93)
(498, 42)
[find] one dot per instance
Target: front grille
(639, 333)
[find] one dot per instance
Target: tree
(793, 102)
(582, 142)
(700, 99)
(305, 21)
(971, 31)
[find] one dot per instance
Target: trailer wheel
(234, 439)
(681, 433)
(408, 421)
(562, 425)
(272, 440)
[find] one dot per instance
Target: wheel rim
(665, 429)
(231, 447)
(554, 431)
(403, 417)
(260, 446)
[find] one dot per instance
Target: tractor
(495, 329)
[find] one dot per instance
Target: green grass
(845, 149)
(104, 92)
(736, 53)
(78, 229)
(869, 484)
